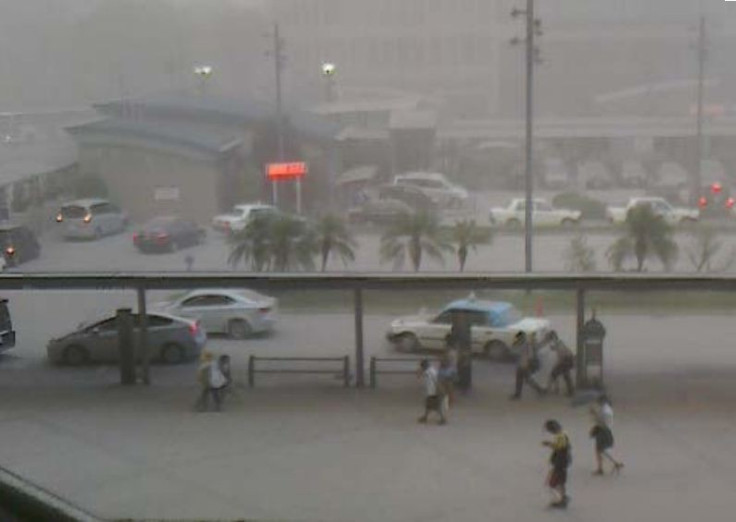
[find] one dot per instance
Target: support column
(143, 353)
(580, 361)
(359, 365)
(126, 347)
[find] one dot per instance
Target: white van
(91, 219)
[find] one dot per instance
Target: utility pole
(278, 62)
(702, 55)
(533, 28)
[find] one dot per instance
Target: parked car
(436, 186)
(412, 196)
(7, 334)
(168, 234)
(171, 340)
(493, 327)
(91, 219)
(238, 313)
(543, 214)
(659, 206)
(237, 219)
(378, 212)
(19, 245)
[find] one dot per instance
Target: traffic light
(702, 202)
(716, 188)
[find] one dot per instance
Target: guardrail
(344, 360)
(374, 370)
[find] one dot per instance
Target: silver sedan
(170, 340)
(238, 313)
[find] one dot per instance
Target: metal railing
(359, 283)
(374, 370)
(345, 369)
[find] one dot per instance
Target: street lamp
(533, 29)
(328, 71)
(204, 72)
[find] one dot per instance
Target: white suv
(91, 219)
(238, 217)
(436, 186)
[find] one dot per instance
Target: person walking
(460, 338)
(602, 433)
(560, 459)
(212, 381)
(526, 364)
(565, 362)
(447, 374)
(432, 397)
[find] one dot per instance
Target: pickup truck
(543, 214)
(660, 207)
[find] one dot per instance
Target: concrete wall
(134, 175)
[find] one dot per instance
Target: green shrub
(589, 207)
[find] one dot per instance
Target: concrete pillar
(580, 362)
(126, 346)
(143, 354)
(359, 363)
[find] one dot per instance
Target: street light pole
(528, 185)
(278, 61)
(702, 56)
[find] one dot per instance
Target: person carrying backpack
(560, 459)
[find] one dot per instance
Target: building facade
(459, 51)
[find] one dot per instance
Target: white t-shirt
(217, 379)
(430, 381)
(606, 415)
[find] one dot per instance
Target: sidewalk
(323, 453)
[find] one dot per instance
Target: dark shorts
(603, 438)
(558, 477)
(432, 403)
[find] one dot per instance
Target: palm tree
(293, 244)
(412, 235)
(466, 235)
(252, 245)
(334, 237)
(579, 257)
(646, 235)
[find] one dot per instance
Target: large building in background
(599, 56)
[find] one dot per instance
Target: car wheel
(76, 355)
(172, 353)
(497, 351)
(238, 329)
(407, 342)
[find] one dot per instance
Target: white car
(494, 324)
(435, 186)
(238, 313)
(543, 214)
(237, 219)
(660, 207)
(91, 219)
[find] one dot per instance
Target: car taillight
(10, 251)
(264, 310)
(730, 202)
(135, 237)
(194, 328)
(87, 218)
(59, 218)
(703, 202)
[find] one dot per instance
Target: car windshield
(73, 211)
(506, 317)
